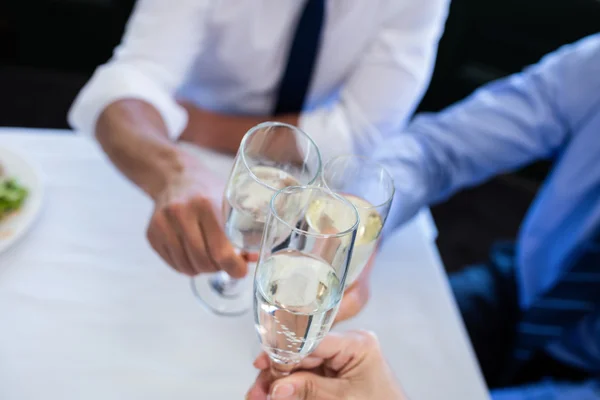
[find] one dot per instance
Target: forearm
(135, 138)
(223, 132)
(503, 126)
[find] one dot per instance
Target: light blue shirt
(551, 110)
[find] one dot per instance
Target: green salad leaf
(12, 196)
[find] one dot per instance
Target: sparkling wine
(366, 236)
(246, 204)
(296, 298)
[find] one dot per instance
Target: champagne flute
(371, 189)
(271, 156)
(302, 266)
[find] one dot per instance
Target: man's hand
(344, 366)
(356, 295)
(186, 227)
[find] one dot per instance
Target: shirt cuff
(341, 128)
(329, 130)
(112, 83)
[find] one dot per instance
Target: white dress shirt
(374, 64)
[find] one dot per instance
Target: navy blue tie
(575, 295)
(302, 58)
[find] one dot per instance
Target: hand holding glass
(272, 156)
(302, 266)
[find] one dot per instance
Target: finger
(185, 223)
(163, 252)
(311, 362)
(176, 251)
(193, 240)
(219, 248)
(198, 255)
(262, 361)
(250, 257)
(165, 241)
(222, 254)
(308, 386)
(157, 245)
(260, 389)
(330, 349)
(343, 351)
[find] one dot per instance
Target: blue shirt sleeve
(501, 127)
(549, 390)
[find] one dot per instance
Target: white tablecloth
(88, 311)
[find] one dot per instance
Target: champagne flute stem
(224, 284)
(281, 370)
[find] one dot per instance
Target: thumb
(250, 257)
(307, 386)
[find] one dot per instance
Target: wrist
(135, 138)
(171, 164)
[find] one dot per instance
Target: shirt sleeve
(384, 88)
(161, 41)
(502, 126)
(551, 390)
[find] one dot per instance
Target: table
(88, 311)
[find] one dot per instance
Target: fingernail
(282, 391)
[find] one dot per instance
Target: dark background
(50, 48)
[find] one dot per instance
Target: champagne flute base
(222, 295)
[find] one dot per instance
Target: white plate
(16, 225)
